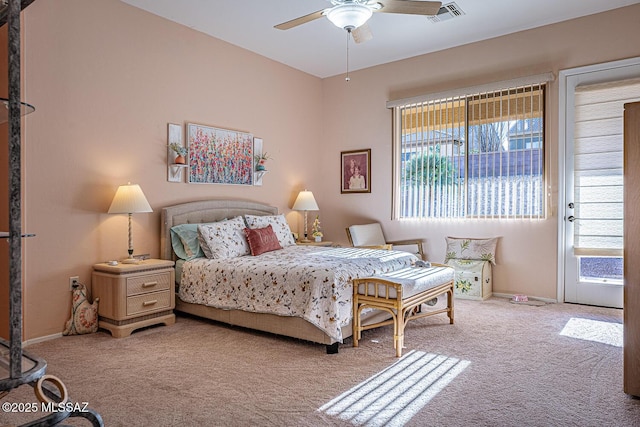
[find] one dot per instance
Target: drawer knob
(148, 303)
(149, 284)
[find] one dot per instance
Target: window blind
(461, 92)
(598, 166)
(471, 153)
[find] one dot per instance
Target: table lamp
(305, 202)
(129, 199)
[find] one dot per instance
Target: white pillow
(477, 249)
(277, 222)
(224, 239)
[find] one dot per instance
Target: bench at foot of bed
(401, 293)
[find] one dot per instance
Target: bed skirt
(295, 327)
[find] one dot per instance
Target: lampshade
(129, 199)
(305, 202)
(349, 16)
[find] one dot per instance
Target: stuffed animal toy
(84, 316)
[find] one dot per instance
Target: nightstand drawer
(148, 283)
(148, 302)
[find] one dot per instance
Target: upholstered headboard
(204, 211)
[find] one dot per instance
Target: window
(476, 154)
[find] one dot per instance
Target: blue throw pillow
(184, 239)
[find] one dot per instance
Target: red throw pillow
(262, 240)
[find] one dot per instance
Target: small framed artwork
(219, 156)
(356, 171)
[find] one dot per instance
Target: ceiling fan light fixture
(349, 16)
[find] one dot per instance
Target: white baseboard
(41, 339)
(509, 296)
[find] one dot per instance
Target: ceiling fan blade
(362, 34)
(301, 20)
(410, 7)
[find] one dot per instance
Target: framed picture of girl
(355, 171)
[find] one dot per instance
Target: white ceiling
(319, 48)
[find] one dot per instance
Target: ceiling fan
(352, 15)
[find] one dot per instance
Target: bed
(308, 295)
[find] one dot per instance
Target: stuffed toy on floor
(84, 316)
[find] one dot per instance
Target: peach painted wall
(106, 78)
(356, 118)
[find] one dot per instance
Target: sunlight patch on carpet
(393, 396)
(594, 330)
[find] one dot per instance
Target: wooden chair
(371, 236)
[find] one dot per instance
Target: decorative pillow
(278, 223)
(479, 249)
(84, 316)
(184, 239)
(223, 239)
(262, 240)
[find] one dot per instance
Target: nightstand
(133, 296)
(312, 243)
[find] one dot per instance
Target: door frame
(568, 79)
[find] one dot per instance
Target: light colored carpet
(500, 364)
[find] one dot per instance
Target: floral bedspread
(314, 283)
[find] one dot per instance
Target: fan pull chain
(348, 37)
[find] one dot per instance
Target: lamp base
(304, 241)
(131, 261)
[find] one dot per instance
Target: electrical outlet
(73, 280)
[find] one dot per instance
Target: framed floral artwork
(355, 171)
(219, 156)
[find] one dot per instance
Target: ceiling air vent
(446, 12)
